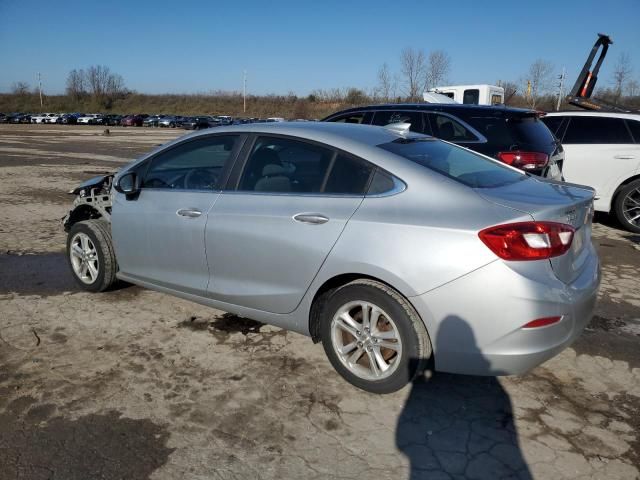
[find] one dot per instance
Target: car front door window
(194, 165)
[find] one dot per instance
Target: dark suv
(512, 135)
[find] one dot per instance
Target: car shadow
(42, 274)
(459, 425)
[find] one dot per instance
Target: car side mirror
(129, 184)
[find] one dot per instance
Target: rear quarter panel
(417, 240)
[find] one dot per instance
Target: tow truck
(580, 94)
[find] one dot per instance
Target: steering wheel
(200, 179)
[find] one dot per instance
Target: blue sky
(186, 46)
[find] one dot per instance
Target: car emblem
(572, 216)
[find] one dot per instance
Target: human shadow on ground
(459, 426)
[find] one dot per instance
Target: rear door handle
(624, 157)
(311, 218)
(189, 212)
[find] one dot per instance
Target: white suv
(602, 150)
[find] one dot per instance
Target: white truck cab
(471, 94)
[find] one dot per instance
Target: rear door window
(386, 117)
(449, 129)
(596, 130)
(283, 165)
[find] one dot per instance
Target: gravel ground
(135, 384)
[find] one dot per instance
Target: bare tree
(20, 88)
(104, 85)
(633, 88)
(438, 68)
(115, 85)
(97, 80)
(539, 77)
(76, 84)
(621, 73)
(413, 67)
(385, 83)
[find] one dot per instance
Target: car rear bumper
(475, 322)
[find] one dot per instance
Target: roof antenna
(399, 127)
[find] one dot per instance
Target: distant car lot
(175, 379)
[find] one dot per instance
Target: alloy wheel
(631, 207)
(84, 258)
(366, 340)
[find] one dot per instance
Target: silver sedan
(394, 249)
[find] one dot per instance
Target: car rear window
(513, 130)
(454, 162)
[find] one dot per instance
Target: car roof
(325, 132)
(446, 107)
(580, 113)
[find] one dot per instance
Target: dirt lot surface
(134, 384)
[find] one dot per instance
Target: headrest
(273, 170)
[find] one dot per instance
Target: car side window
(348, 176)
(283, 165)
(553, 123)
(634, 126)
(471, 97)
(357, 117)
(382, 182)
(193, 165)
(447, 128)
(386, 117)
(592, 130)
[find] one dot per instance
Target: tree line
(98, 88)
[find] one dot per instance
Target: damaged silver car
(389, 247)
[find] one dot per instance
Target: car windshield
(454, 162)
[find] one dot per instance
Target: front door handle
(311, 218)
(189, 212)
(624, 157)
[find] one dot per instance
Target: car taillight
(524, 160)
(528, 240)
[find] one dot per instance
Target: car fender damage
(93, 200)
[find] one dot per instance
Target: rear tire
(91, 255)
(627, 206)
(383, 356)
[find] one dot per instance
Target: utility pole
(40, 88)
(560, 89)
(244, 93)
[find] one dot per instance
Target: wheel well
(324, 291)
(80, 213)
(620, 187)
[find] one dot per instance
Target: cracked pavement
(136, 384)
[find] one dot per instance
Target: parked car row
(135, 120)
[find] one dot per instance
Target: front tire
(373, 337)
(91, 255)
(627, 206)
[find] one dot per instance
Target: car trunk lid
(565, 203)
